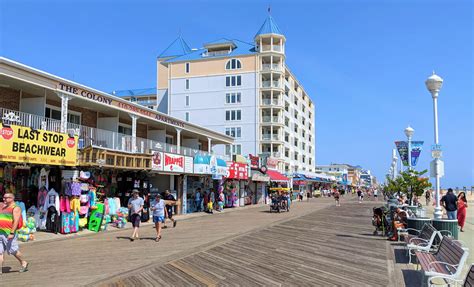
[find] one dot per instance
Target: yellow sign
(26, 145)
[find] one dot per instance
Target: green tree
(410, 182)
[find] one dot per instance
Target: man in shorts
(10, 217)
(135, 205)
(169, 207)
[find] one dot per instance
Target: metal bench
(448, 261)
(422, 241)
(445, 281)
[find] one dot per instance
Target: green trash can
(417, 223)
(447, 224)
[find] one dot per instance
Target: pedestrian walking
(449, 202)
(462, 209)
(220, 201)
(171, 201)
(159, 215)
(10, 222)
(336, 195)
(301, 195)
(428, 197)
(376, 194)
(359, 195)
(135, 206)
(198, 199)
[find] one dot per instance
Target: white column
(409, 153)
(178, 139)
(134, 132)
(209, 145)
(438, 213)
(64, 110)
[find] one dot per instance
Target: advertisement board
(157, 161)
(26, 145)
(173, 162)
(237, 170)
(188, 164)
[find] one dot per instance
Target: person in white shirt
(159, 215)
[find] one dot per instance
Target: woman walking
(462, 206)
(159, 215)
(336, 195)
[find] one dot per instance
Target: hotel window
(55, 113)
(236, 149)
(125, 129)
(235, 132)
(233, 98)
(187, 84)
(233, 115)
(233, 64)
(187, 67)
(169, 139)
(233, 81)
(187, 101)
(187, 116)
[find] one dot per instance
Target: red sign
(254, 162)
(174, 163)
(237, 170)
(7, 133)
(272, 162)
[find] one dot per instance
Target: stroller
(381, 220)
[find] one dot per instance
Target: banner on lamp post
(416, 147)
(402, 148)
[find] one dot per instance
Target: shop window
(55, 113)
(169, 139)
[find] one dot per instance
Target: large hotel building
(244, 90)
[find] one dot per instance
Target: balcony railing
(271, 67)
(89, 136)
(267, 137)
(268, 102)
(271, 119)
(271, 84)
(215, 53)
(267, 48)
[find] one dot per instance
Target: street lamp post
(409, 131)
(434, 84)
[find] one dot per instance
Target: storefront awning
(276, 176)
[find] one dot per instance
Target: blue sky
(364, 63)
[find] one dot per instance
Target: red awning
(276, 176)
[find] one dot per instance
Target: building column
(64, 110)
(178, 140)
(209, 145)
(134, 132)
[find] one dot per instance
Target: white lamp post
(434, 84)
(409, 131)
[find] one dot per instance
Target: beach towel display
(96, 217)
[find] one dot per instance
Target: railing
(270, 84)
(215, 53)
(271, 67)
(147, 103)
(271, 119)
(89, 136)
(266, 48)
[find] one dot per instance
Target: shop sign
(110, 101)
(201, 164)
(240, 158)
(237, 170)
(26, 145)
(272, 163)
(157, 161)
(173, 162)
(254, 162)
(188, 164)
(260, 177)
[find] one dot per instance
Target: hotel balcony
(271, 48)
(94, 137)
(271, 84)
(272, 68)
(272, 120)
(272, 103)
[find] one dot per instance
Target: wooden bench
(448, 261)
(444, 281)
(423, 241)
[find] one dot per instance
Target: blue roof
(135, 92)
(177, 48)
(242, 48)
(269, 27)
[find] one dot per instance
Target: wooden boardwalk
(315, 244)
(329, 247)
